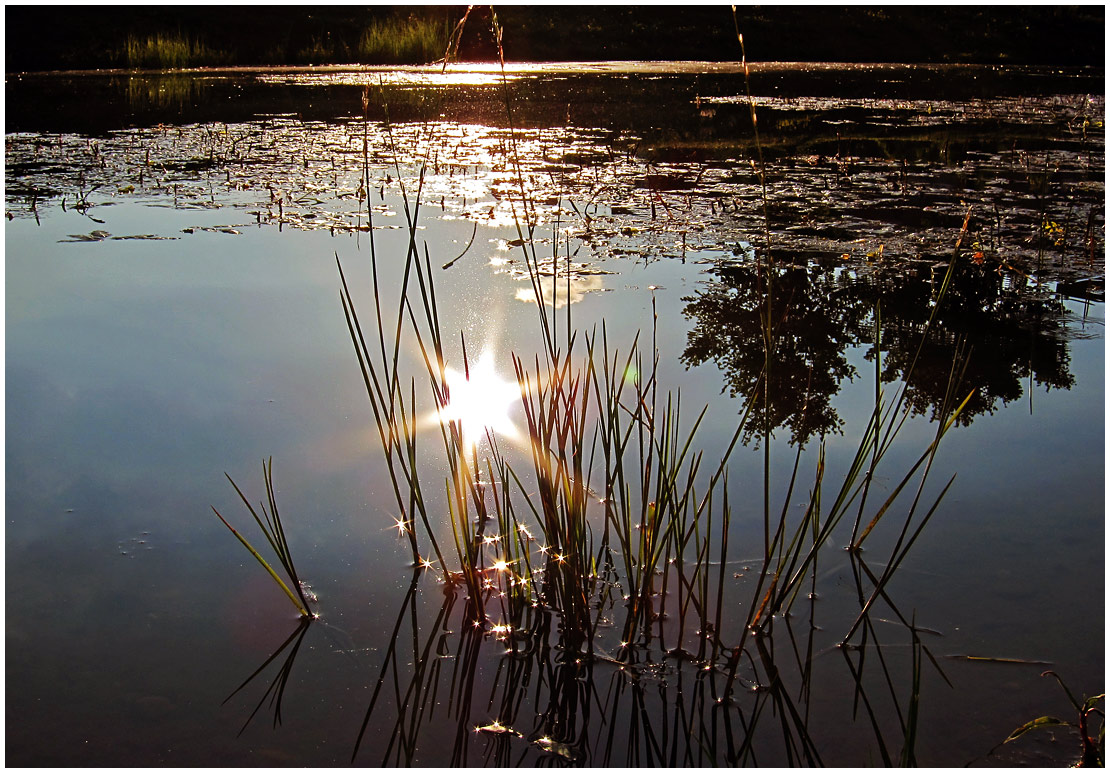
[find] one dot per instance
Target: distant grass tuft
(411, 40)
(169, 51)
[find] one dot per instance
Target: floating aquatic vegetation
(94, 236)
(870, 180)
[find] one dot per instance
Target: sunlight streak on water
(558, 293)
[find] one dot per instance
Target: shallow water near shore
(173, 314)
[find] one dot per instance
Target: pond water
(173, 314)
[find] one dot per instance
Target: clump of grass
(409, 40)
(271, 527)
(164, 51)
(597, 418)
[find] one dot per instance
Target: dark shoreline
(41, 38)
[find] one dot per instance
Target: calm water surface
(172, 314)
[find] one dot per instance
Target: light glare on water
(481, 401)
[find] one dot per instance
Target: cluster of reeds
(413, 39)
(606, 538)
(165, 51)
(613, 512)
(613, 521)
(612, 481)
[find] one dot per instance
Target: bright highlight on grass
(481, 401)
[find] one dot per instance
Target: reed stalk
(271, 526)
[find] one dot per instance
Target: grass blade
(265, 565)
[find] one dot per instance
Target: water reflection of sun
(480, 400)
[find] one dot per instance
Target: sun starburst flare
(480, 400)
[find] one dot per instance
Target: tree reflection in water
(823, 308)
